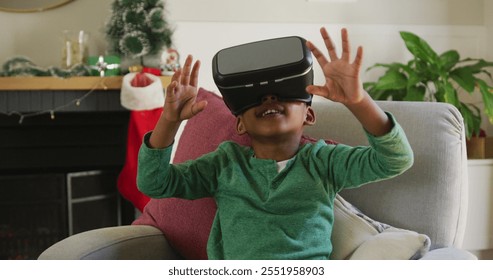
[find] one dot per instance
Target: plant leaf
(468, 120)
(392, 66)
(368, 85)
(425, 72)
(450, 94)
(380, 94)
(414, 78)
(464, 77)
(479, 65)
(487, 73)
(487, 94)
(420, 48)
(449, 59)
(375, 94)
(397, 95)
(415, 93)
(439, 91)
(392, 80)
(472, 120)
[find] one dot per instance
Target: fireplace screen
(37, 211)
(32, 214)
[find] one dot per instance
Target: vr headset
(246, 73)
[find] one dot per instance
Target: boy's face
(275, 118)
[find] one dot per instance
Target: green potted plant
(429, 76)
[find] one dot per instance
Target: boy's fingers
(317, 54)
(171, 86)
(170, 92)
(359, 57)
(317, 90)
(198, 107)
(185, 78)
(194, 78)
(345, 45)
(329, 44)
(176, 75)
(202, 104)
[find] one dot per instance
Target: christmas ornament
(104, 66)
(170, 62)
(151, 70)
(135, 69)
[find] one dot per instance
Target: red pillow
(187, 223)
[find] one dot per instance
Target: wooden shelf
(73, 83)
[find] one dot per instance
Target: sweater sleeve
(158, 178)
(387, 156)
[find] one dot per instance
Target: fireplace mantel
(37, 94)
(59, 84)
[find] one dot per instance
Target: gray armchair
(430, 198)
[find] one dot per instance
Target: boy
(275, 198)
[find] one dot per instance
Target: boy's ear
(240, 128)
(310, 116)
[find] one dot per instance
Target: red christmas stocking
(139, 124)
(143, 95)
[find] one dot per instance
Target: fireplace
(58, 175)
(32, 214)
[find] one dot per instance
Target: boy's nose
(269, 98)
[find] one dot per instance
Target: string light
(52, 111)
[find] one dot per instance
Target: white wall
(38, 35)
(202, 27)
(488, 22)
(381, 43)
(422, 12)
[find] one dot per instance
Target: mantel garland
(23, 66)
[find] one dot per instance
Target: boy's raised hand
(181, 94)
(343, 84)
(342, 79)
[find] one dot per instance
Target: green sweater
(263, 214)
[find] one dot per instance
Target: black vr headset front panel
(246, 73)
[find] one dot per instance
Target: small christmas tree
(137, 28)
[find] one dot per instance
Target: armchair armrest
(449, 253)
(112, 243)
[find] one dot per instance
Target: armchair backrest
(429, 198)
